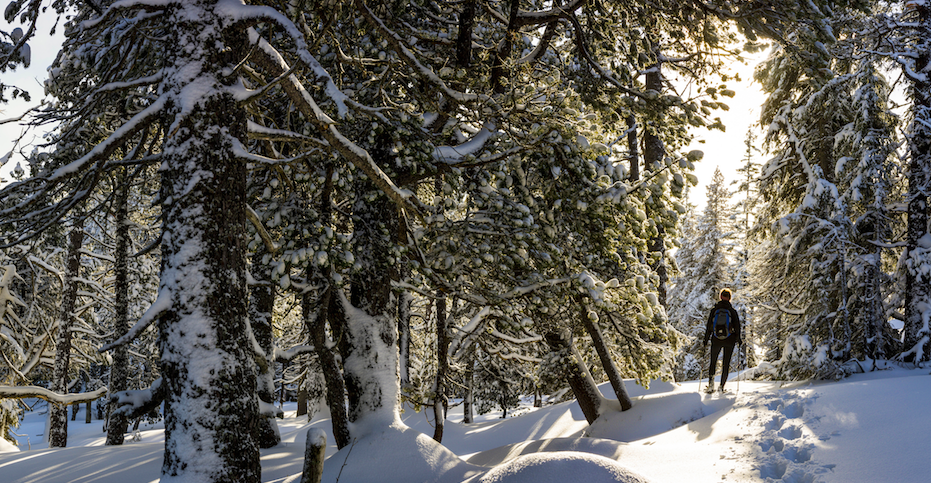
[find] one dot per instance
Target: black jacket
(733, 338)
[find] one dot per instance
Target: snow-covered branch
(270, 244)
(236, 12)
(102, 150)
(401, 49)
(161, 304)
(287, 355)
(133, 404)
(514, 340)
(583, 49)
(23, 392)
(272, 62)
(257, 131)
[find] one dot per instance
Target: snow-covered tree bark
(604, 353)
(918, 247)
(211, 408)
(116, 423)
(58, 414)
(654, 151)
(316, 307)
(371, 358)
(405, 311)
(261, 307)
(576, 373)
(468, 383)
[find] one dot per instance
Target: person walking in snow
(723, 329)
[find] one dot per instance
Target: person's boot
(710, 388)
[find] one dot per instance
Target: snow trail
(782, 429)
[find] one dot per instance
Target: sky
(44, 49)
(866, 428)
(726, 150)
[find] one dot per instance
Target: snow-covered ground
(867, 428)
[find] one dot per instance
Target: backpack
(721, 323)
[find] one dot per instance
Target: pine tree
(918, 247)
(704, 266)
(833, 140)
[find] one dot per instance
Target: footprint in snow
(786, 448)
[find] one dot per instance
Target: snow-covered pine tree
(10, 306)
(870, 178)
(205, 348)
(917, 257)
(704, 270)
(830, 133)
(747, 198)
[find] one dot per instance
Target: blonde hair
(726, 294)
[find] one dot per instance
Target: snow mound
(6, 446)
(561, 467)
(398, 454)
(603, 447)
(650, 416)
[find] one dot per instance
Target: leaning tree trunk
(576, 373)
(601, 347)
(58, 413)
(918, 246)
(316, 307)
(261, 306)
(319, 307)
(119, 379)
(211, 408)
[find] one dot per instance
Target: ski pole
(739, 353)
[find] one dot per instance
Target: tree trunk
(469, 383)
(654, 152)
(316, 308)
(314, 452)
(442, 366)
(576, 373)
(464, 39)
(601, 347)
(875, 342)
(119, 379)
(918, 245)
(503, 397)
(319, 307)
(632, 146)
(207, 363)
(405, 303)
(58, 414)
(261, 307)
(371, 358)
(302, 398)
(502, 54)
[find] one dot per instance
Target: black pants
(716, 346)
